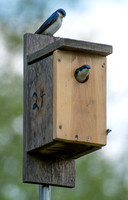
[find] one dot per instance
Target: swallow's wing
(47, 23)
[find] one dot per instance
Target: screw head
(103, 66)
(60, 127)
(59, 60)
(88, 138)
(76, 136)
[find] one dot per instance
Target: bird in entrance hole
(53, 23)
(82, 73)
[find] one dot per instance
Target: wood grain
(79, 109)
(40, 98)
(41, 169)
(38, 168)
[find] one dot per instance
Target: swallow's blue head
(82, 73)
(62, 12)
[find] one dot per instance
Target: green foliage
(11, 186)
(96, 178)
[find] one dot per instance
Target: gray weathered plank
(41, 169)
(40, 98)
(68, 44)
(38, 168)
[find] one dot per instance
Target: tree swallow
(82, 73)
(53, 23)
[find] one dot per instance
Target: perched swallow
(53, 23)
(82, 73)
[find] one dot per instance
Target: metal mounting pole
(44, 192)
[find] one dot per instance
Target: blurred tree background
(98, 177)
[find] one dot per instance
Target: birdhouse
(63, 118)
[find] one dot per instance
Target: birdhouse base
(67, 150)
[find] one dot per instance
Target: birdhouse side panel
(40, 100)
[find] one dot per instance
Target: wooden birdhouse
(63, 118)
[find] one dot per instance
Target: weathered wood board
(38, 168)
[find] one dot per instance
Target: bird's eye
(62, 13)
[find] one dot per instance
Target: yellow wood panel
(79, 109)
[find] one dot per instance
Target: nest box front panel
(79, 109)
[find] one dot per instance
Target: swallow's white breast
(54, 27)
(82, 75)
